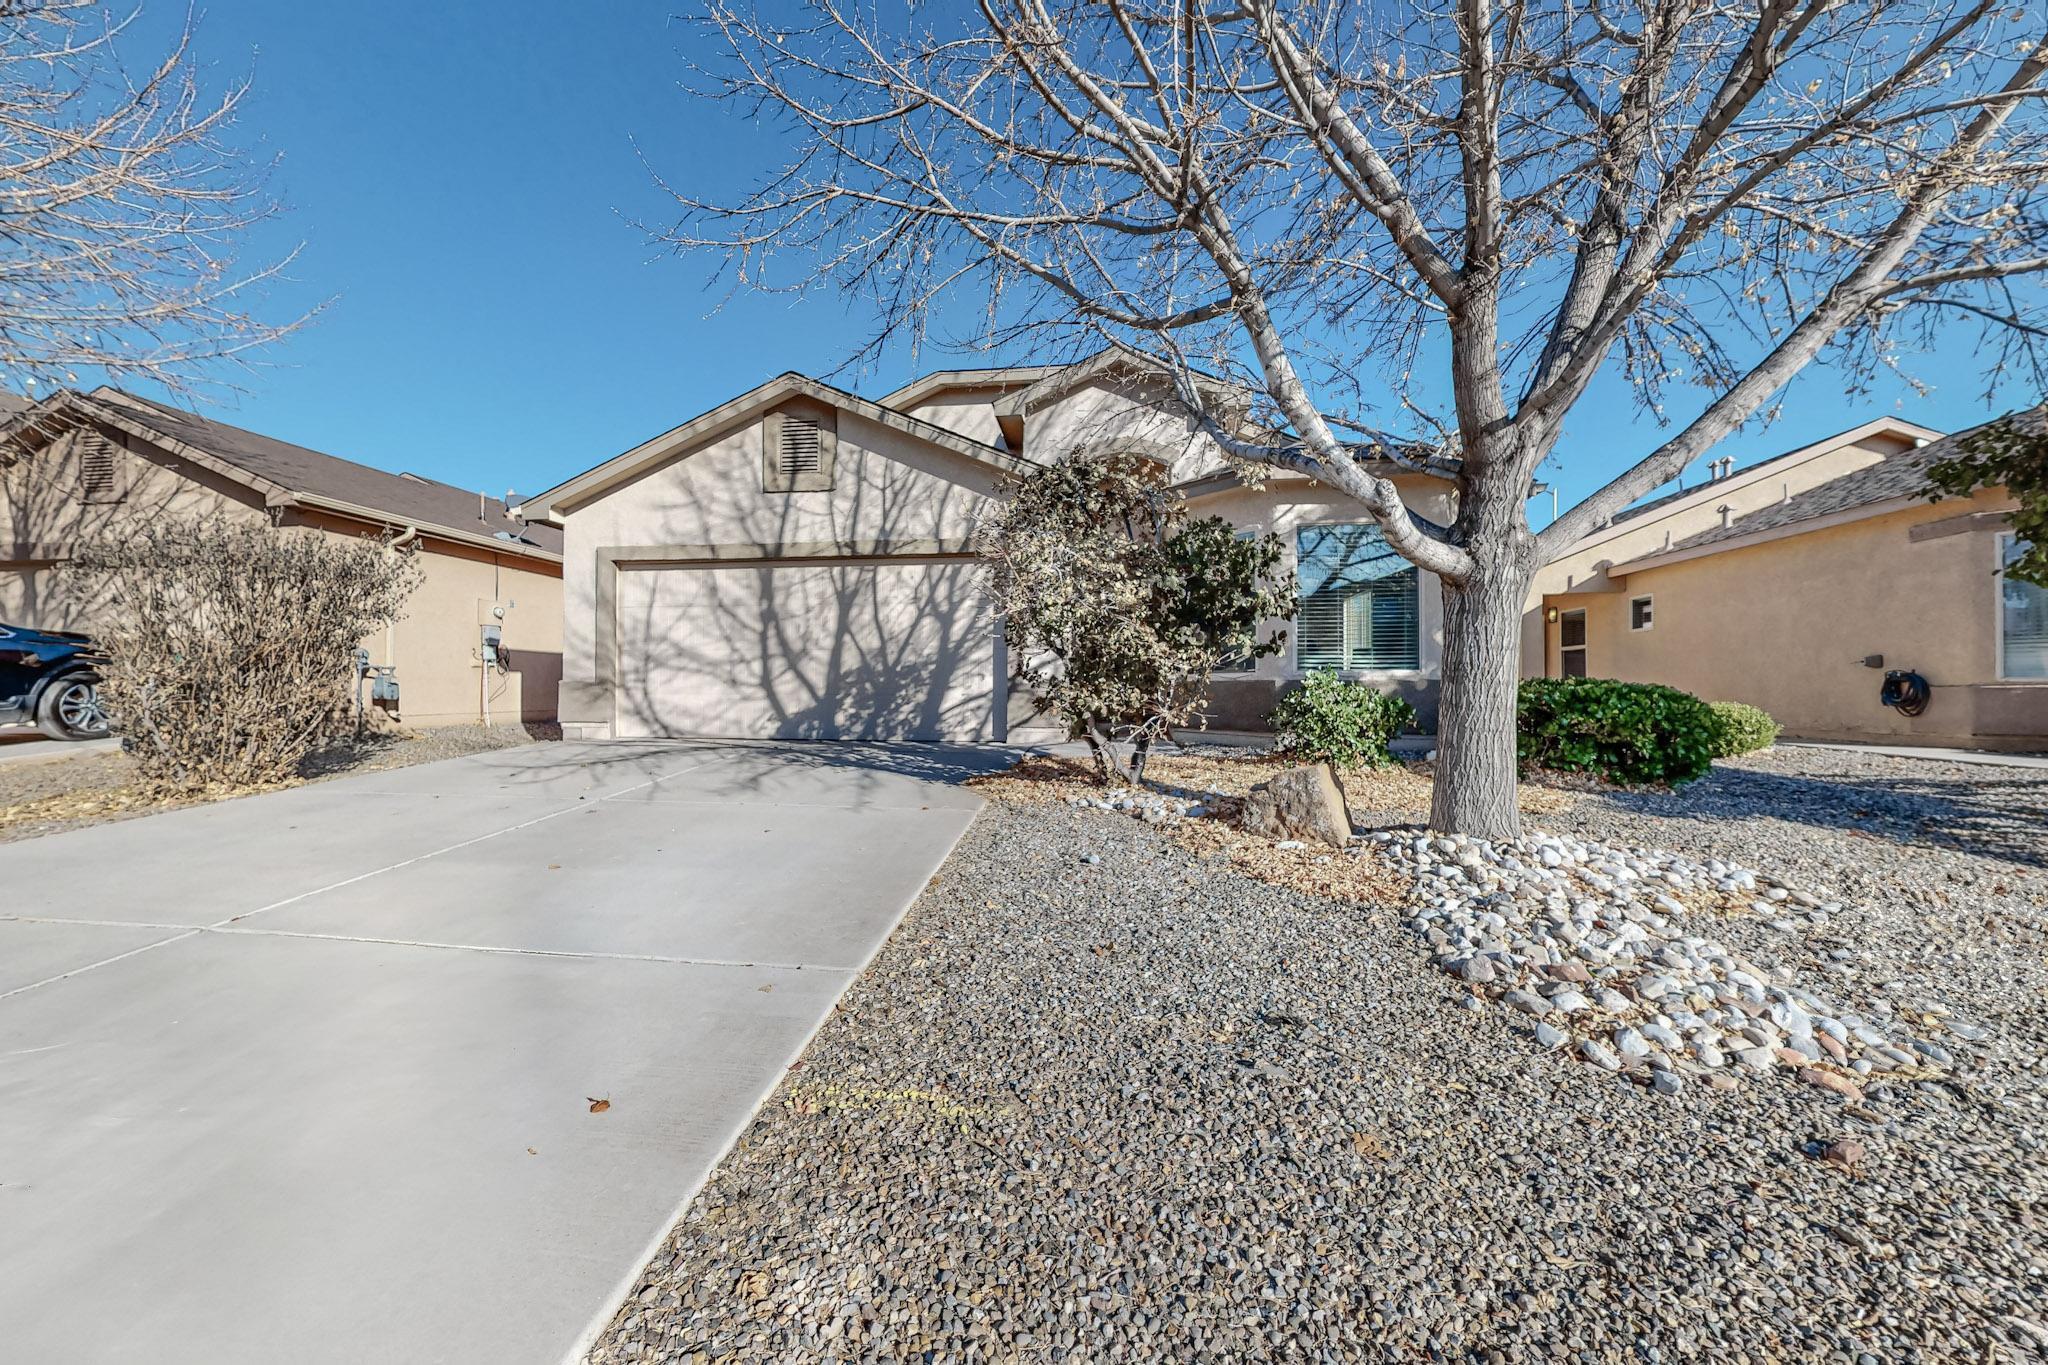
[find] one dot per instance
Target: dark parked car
(49, 678)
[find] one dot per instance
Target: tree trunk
(1102, 744)
(1475, 724)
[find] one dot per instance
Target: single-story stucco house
(1798, 583)
(80, 466)
(798, 562)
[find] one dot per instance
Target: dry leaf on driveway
(598, 1106)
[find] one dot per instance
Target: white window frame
(1998, 544)
(1419, 673)
(1649, 600)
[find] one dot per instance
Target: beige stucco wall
(43, 516)
(1122, 413)
(969, 411)
(893, 494)
(436, 645)
(437, 642)
(1785, 624)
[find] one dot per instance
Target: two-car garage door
(882, 649)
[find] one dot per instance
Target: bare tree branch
(121, 205)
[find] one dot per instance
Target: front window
(2023, 619)
(1360, 601)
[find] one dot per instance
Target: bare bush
(231, 646)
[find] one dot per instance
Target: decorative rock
(1829, 1080)
(1845, 1152)
(1598, 1053)
(1300, 803)
(1527, 1003)
(1666, 1082)
(1551, 1037)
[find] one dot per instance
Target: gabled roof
(1004, 377)
(1896, 481)
(286, 474)
(591, 482)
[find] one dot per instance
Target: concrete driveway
(308, 1076)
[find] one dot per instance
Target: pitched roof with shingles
(407, 498)
(1903, 475)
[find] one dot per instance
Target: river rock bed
(1595, 945)
(1153, 807)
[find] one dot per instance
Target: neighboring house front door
(1571, 645)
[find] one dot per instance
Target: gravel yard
(63, 792)
(1150, 1107)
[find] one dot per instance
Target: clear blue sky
(465, 179)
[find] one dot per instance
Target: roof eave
(1742, 541)
(480, 539)
(566, 496)
(992, 377)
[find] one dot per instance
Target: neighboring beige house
(1796, 583)
(798, 562)
(78, 467)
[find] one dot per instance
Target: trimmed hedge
(1744, 728)
(1630, 734)
(1348, 724)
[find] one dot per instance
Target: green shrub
(1744, 728)
(1348, 724)
(1627, 733)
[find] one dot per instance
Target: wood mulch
(1394, 796)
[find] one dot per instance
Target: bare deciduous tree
(122, 207)
(1325, 198)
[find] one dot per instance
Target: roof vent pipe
(1727, 515)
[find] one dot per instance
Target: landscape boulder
(1301, 803)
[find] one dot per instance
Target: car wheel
(71, 709)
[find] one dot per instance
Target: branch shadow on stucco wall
(47, 512)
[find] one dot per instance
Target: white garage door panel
(850, 649)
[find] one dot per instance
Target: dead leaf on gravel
(598, 1106)
(1371, 1146)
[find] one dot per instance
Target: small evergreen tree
(1122, 604)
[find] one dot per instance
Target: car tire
(70, 709)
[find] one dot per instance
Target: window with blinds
(2023, 621)
(1360, 601)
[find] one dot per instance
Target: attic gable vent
(97, 472)
(802, 447)
(798, 445)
